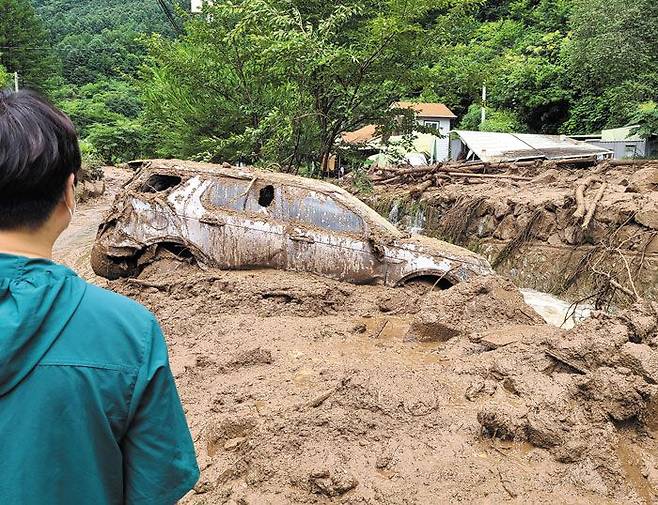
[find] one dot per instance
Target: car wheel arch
(437, 278)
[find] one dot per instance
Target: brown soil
(300, 389)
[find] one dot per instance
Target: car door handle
(302, 238)
(212, 220)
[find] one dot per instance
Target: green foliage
(123, 140)
(361, 181)
(612, 62)
(97, 47)
(271, 81)
(496, 120)
(92, 163)
(104, 102)
(100, 39)
(22, 36)
(275, 82)
(4, 77)
(646, 117)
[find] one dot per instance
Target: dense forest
(276, 81)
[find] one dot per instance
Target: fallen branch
(630, 275)
(149, 284)
(616, 284)
(566, 361)
(581, 207)
(320, 399)
(420, 189)
(489, 176)
(592, 207)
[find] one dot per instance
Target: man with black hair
(89, 412)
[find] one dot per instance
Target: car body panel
(235, 219)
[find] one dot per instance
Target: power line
(170, 16)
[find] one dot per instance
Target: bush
(92, 164)
(4, 77)
(122, 141)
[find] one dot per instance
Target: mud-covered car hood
(438, 248)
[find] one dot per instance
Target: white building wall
(443, 144)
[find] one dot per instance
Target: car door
(248, 213)
(325, 237)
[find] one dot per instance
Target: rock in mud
(641, 360)
(644, 180)
(257, 356)
(479, 305)
(503, 421)
(332, 484)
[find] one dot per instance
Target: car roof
(193, 168)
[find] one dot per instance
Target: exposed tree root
(455, 222)
(525, 235)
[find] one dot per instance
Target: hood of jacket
(37, 300)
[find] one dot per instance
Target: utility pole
(484, 105)
(15, 81)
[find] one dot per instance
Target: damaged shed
(494, 147)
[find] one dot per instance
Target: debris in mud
(251, 357)
(589, 381)
(470, 307)
(581, 231)
(332, 484)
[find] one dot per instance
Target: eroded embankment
(300, 389)
(538, 230)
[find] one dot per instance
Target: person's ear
(69, 193)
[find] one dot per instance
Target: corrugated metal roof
(426, 109)
(502, 147)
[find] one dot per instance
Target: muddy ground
(300, 389)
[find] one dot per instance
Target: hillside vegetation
(274, 82)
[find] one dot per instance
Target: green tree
(264, 80)
(646, 117)
(24, 45)
(612, 62)
(4, 77)
(496, 120)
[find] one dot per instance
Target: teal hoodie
(89, 412)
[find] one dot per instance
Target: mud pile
(536, 226)
(300, 389)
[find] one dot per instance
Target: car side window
(320, 211)
(242, 196)
(226, 193)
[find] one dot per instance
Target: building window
(433, 124)
(630, 151)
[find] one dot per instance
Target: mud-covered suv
(234, 218)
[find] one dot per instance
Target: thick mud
(300, 389)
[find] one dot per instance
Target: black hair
(39, 150)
